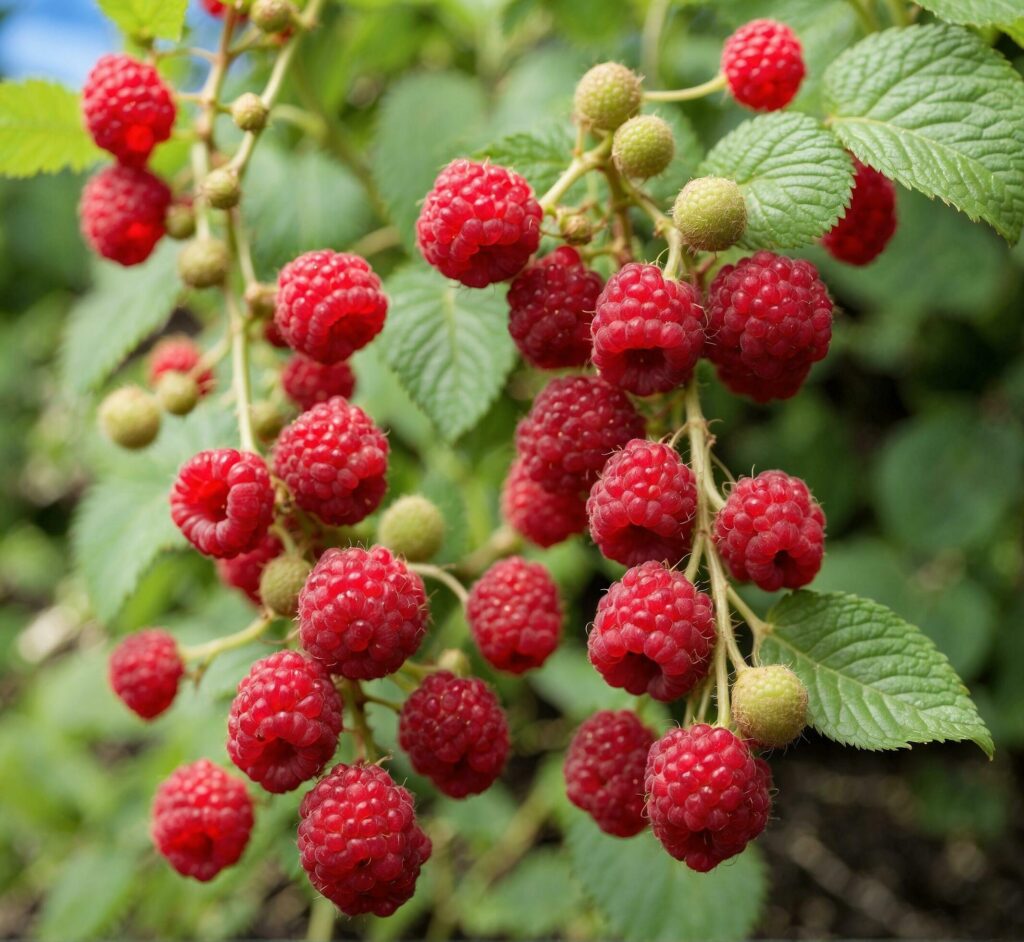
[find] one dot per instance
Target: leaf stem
(689, 94)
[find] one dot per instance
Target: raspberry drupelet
(648, 330)
(643, 505)
(243, 571)
(763, 63)
(654, 633)
(455, 733)
(543, 517)
(178, 354)
(145, 670)
(868, 225)
(604, 771)
(479, 224)
(307, 382)
(771, 532)
(223, 502)
(121, 213)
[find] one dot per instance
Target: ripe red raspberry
(128, 109)
(179, 354)
(121, 213)
(643, 505)
(307, 382)
(861, 235)
(551, 303)
(284, 722)
(769, 320)
(202, 817)
(334, 460)
(764, 65)
(604, 771)
(648, 330)
(359, 841)
(243, 571)
(273, 336)
(217, 8)
(575, 424)
(145, 670)
(479, 224)
(515, 615)
(222, 501)
(654, 633)
(771, 532)
(329, 304)
(707, 796)
(455, 733)
(544, 517)
(362, 612)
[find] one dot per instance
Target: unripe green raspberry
(576, 228)
(222, 188)
(178, 392)
(281, 582)
(180, 221)
(272, 16)
(130, 417)
(769, 705)
(412, 527)
(643, 146)
(261, 299)
(267, 420)
(249, 113)
(203, 263)
(607, 95)
(711, 213)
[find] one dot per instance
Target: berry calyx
(480, 223)
(122, 213)
(607, 95)
(869, 223)
(544, 517)
(222, 188)
(648, 330)
(130, 417)
(771, 532)
(763, 63)
(177, 393)
(654, 633)
(145, 670)
(412, 527)
(307, 382)
(769, 705)
(643, 147)
(243, 571)
(249, 113)
(203, 262)
(281, 582)
(710, 213)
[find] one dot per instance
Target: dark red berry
(145, 670)
(544, 517)
(868, 225)
(307, 382)
(764, 65)
(122, 212)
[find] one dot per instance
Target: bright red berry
(122, 212)
(128, 109)
(764, 65)
(217, 8)
(515, 615)
(604, 771)
(201, 820)
(307, 382)
(284, 722)
(769, 320)
(359, 841)
(363, 613)
(179, 354)
(479, 224)
(654, 633)
(551, 303)
(455, 733)
(575, 424)
(707, 796)
(861, 235)
(223, 502)
(334, 460)
(145, 670)
(643, 505)
(329, 304)
(544, 517)
(648, 330)
(243, 571)
(771, 532)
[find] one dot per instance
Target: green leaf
(448, 345)
(646, 896)
(123, 308)
(937, 110)
(1015, 31)
(147, 19)
(41, 130)
(874, 681)
(794, 175)
(974, 12)
(540, 156)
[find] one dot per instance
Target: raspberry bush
(453, 432)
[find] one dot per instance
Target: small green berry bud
(769, 705)
(272, 16)
(267, 420)
(576, 228)
(249, 113)
(130, 417)
(203, 263)
(178, 392)
(281, 582)
(643, 147)
(180, 221)
(711, 213)
(222, 188)
(412, 527)
(607, 95)
(261, 300)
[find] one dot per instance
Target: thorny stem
(441, 575)
(204, 653)
(689, 94)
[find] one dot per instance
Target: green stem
(578, 168)
(758, 626)
(440, 575)
(321, 920)
(654, 24)
(866, 14)
(240, 371)
(501, 543)
(689, 94)
(898, 12)
(204, 653)
(355, 700)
